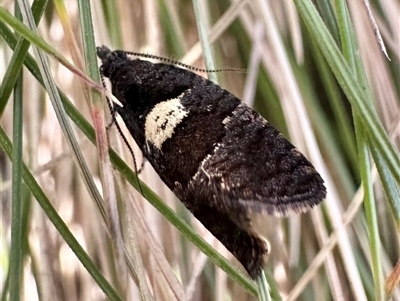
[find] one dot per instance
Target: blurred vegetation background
(73, 226)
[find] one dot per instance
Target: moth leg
(113, 112)
(248, 247)
(118, 109)
(144, 160)
(108, 126)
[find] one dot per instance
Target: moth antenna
(114, 121)
(174, 62)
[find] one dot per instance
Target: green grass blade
(391, 188)
(350, 48)
(16, 255)
(329, 17)
(89, 44)
(342, 121)
(202, 29)
(110, 10)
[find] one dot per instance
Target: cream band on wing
(163, 119)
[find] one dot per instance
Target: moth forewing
(220, 157)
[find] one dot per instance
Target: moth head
(111, 60)
(141, 83)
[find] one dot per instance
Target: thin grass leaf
(97, 110)
(16, 252)
(263, 288)
(203, 35)
(339, 110)
(71, 40)
(350, 48)
(329, 16)
(110, 9)
(391, 188)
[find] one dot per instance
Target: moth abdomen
(250, 249)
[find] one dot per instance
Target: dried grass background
(346, 249)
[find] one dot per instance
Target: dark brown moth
(220, 157)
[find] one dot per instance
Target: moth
(221, 159)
